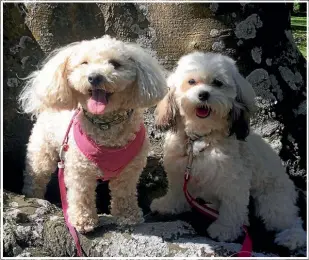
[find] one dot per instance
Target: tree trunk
(21, 55)
(257, 36)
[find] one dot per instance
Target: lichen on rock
(247, 29)
(293, 80)
(256, 54)
(268, 61)
(275, 87)
(218, 46)
(260, 80)
(214, 7)
(302, 109)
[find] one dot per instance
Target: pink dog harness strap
(111, 161)
(63, 192)
(246, 249)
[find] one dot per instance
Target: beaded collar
(105, 123)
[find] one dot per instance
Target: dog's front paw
(291, 238)
(84, 224)
(166, 205)
(157, 205)
(222, 233)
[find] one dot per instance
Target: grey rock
(150, 239)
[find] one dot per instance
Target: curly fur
(230, 163)
(61, 85)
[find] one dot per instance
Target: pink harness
(111, 161)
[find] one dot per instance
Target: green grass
(299, 30)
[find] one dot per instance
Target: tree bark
(21, 55)
(257, 36)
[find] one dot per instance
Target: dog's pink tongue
(97, 103)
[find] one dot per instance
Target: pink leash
(63, 191)
(246, 249)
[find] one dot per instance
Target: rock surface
(35, 227)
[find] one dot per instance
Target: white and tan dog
(112, 82)
(211, 103)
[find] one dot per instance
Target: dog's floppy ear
(150, 82)
(167, 111)
(240, 122)
(245, 91)
(243, 107)
(48, 86)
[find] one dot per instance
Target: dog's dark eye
(192, 82)
(217, 83)
(85, 62)
(116, 64)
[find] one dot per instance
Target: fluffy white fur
(133, 79)
(229, 163)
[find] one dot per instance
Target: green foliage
(299, 7)
(299, 30)
(296, 7)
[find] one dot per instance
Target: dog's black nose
(203, 96)
(95, 79)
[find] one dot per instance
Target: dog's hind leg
(276, 206)
(233, 210)
(41, 162)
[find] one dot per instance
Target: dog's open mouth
(203, 112)
(98, 100)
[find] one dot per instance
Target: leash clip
(61, 165)
(64, 148)
(187, 173)
(190, 146)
